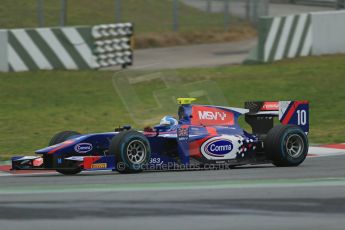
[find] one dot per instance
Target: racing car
(203, 135)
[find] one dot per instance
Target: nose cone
(54, 148)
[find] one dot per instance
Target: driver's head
(168, 121)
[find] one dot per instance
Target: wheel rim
(136, 152)
(294, 145)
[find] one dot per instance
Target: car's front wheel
(132, 151)
(59, 138)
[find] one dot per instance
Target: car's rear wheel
(59, 138)
(132, 151)
(286, 145)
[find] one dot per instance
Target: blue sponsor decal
(83, 147)
(218, 147)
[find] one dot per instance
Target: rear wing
(261, 114)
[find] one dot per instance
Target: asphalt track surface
(202, 56)
(311, 196)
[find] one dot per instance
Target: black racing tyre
(286, 145)
(132, 151)
(69, 171)
(61, 137)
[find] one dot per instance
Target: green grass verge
(148, 15)
(35, 105)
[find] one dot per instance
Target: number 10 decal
(301, 117)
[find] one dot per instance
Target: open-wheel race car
(204, 135)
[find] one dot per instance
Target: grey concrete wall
(3, 51)
(328, 30)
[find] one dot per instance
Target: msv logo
(83, 147)
(217, 147)
(208, 115)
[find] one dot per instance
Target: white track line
(325, 152)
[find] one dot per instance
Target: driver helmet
(168, 121)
